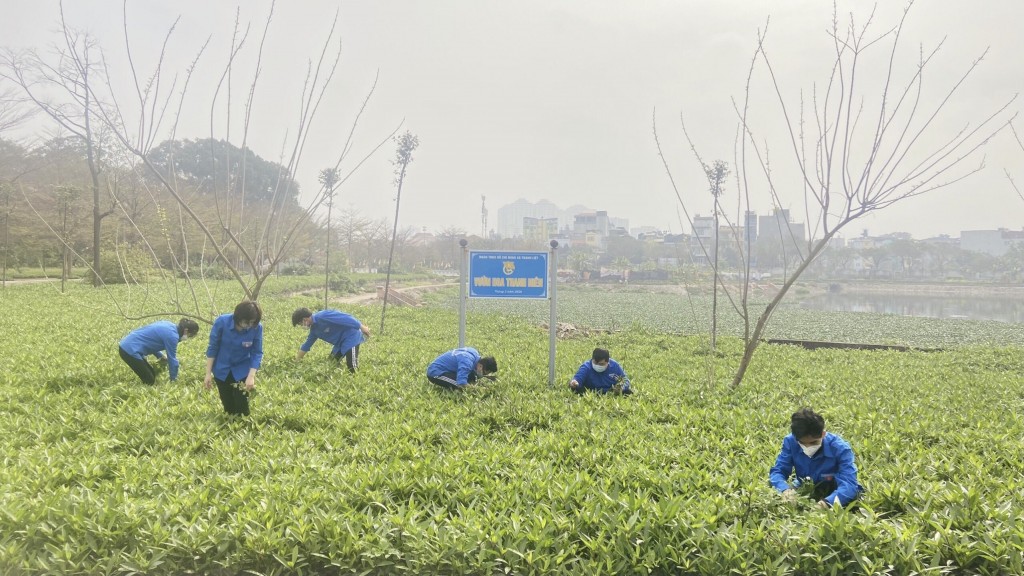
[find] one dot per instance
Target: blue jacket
(234, 352)
(336, 328)
(602, 382)
(153, 339)
(461, 362)
(833, 461)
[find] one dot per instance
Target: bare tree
(66, 196)
(250, 235)
(407, 143)
(351, 227)
(6, 191)
(329, 180)
(63, 88)
(858, 158)
(716, 174)
(1020, 144)
(13, 112)
(448, 241)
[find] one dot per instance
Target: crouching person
(456, 369)
(159, 339)
(816, 456)
(334, 327)
(600, 374)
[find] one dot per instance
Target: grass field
(382, 473)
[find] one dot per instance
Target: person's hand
(365, 330)
(208, 381)
(250, 382)
(162, 360)
(825, 504)
(574, 384)
(789, 496)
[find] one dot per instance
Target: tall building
(539, 229)
(991, 242)
(510, 216)
(779, 239)
(703, 238)
(750, 226)
(591, 222)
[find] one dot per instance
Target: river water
(1002, 309)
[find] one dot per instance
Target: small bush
(342, 283)
(124, 265)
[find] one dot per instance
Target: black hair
(600, 355)
(806, 422)
(299, 315)
(489, 364)
(248, 311)
(187, 326)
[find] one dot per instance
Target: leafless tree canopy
(859, 143)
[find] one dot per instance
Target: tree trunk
(762, 321)
(714, 288)
(327, 252)
(391, 253)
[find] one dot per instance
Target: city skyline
(557, 100)
(641, 225)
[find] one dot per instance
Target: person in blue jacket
(600, 374)
(456, 369)
(334, 327)
(160, 339)
(234, 355)
(816, 456)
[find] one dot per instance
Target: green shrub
(125, 264)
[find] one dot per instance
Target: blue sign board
(508, 274)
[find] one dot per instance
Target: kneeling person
(600, 374)
(457, 368)
(334, 327)
(822, 457)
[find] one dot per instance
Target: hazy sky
(554, 99)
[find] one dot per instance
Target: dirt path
(17, 281)
(370, 297)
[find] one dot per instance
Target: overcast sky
(554, 99)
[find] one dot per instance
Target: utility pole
(483, 216)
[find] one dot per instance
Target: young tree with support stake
(716, 173)
(865, 148)
(407, 143)
(329, 180)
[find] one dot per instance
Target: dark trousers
(139, 366)
(823, 488)
(447, 380)
(235, 401)
(351, 358)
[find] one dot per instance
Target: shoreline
(964, 290)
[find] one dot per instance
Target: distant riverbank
(953, 290)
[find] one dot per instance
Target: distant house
(991, 242)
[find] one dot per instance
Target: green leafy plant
(381, 472)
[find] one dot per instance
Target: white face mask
(810, 450)
(598, 368)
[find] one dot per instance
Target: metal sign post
(553, 321)
(498, 274)
(462, 293)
